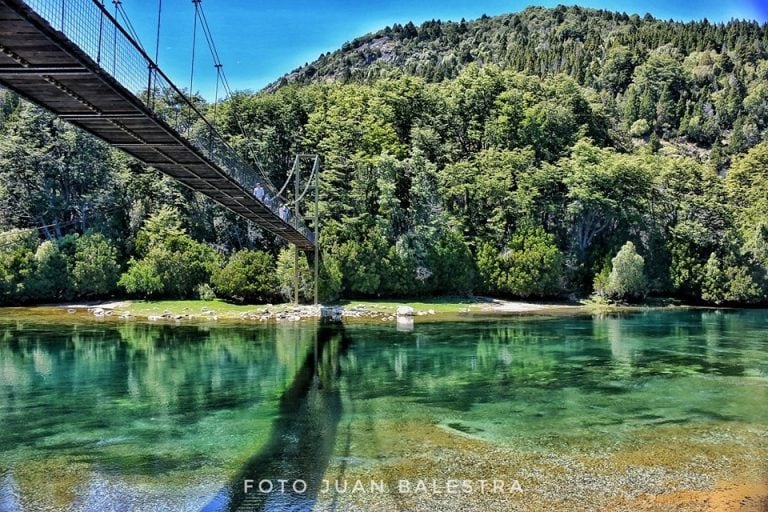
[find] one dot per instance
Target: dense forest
(542, 154)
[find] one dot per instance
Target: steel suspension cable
(128, 25)
(194, 46)
(279, 195)
(114, 39)
(307, 186)
(157, 39)
(216, 97)
(192, 68)
(228, 90)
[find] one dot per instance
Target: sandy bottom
(668, 470)
(726, 497)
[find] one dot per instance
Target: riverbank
(206, 311)
(178, 311)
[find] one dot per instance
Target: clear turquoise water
(144, 417)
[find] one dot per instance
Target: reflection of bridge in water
(73, 58)
(302, 439)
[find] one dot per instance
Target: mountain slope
(536, 41)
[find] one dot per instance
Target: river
(560, 412)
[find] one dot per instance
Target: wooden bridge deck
(41, 64)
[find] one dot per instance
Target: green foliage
(17, 265)
(640, 128)
(285, 276)
(436, 164)
(697, 220)
(163, 226)
(173, 264)
(205, 292)
(606, 194)
(143, 278)
(529, 266)
(331, 279)
(727, 282)
(51, 173)
(248, 277)
(747, 188)
(627, 279)
(50, 280)
(602, 281)
(454, 266)
(95, 270)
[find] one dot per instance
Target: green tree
(95, 270)
(640, 128)
(172, 265)
(50, 280)
(285, 276)
(695, 218)
(17, 265)
(248, 277)
(529, 266)
(331, 279)
(627, 279)
(747, 188)
(728, 282)
(608, 194)
(52, 174)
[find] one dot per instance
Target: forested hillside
(545, 153)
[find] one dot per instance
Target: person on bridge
(283, 212)
(258, 192)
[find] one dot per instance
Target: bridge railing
(90, 26)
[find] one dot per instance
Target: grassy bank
(434, 308)
(224, 310)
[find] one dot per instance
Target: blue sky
(260, 41)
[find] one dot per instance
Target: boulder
(331, 314)
(405, 311)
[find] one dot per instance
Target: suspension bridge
(75, 59)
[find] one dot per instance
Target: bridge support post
(296, 275)
(297, 216)
(317, 228)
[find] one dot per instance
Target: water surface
(581, 411)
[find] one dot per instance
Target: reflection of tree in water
(302, 438)
(135, 397)
(191, 371)
(452, 365)
(456, 365)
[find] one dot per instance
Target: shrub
(627, 279)
(640, 128)
(331, 279)
(17, 265)
(454, 267)
(95, 270)
(205, 292)
(175, 268)
(285, 277)
(248, 276)
(173, 263)
(728, 282)
(530, 265)
(50, 280)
